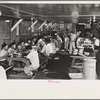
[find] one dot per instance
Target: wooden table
(21, 74)
(79, 57)
(24, 60)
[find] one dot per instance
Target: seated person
(4, 50)
(29, 42)
(34, 60)
(19, 55)
(34, 41)
(12, 48)
(23, 46)
(4, 53)
(19, 48)
(47, 49)
(39, 43)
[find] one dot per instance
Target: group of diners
(30, 50)
(46, 46)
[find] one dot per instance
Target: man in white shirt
(34, 59)
(47, 48)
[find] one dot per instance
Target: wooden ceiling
(51, 12)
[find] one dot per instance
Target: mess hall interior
(50, 41)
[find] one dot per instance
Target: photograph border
(44, 89)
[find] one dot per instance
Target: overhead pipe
(32, 24)
(16, 24)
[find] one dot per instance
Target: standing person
(19, 48)
(66, 42)
(23, 46)
(4, 50)
(72, 42)
(53, 46)
(59, 41)
(34, 59)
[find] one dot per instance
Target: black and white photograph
(50, 41)
(51, 44)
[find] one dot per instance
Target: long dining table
(22, 59)
(80, 57)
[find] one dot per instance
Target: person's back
(50, 48)
(54, 47)
(47, 50)
(34, 59)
